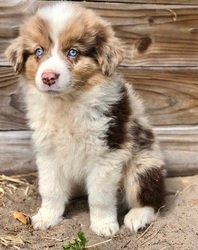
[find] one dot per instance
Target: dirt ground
(176, 227)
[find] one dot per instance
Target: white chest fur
(71, 133)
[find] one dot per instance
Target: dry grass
(8, 187)
(11, 241)
(9, 184)
(98, 244)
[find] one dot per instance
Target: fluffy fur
(89, 126)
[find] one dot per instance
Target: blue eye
(39, 52)
(72, 53)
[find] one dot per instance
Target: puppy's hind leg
(144, 187)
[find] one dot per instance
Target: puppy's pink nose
(49, 78)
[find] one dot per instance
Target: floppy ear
(14, 54)
(109, 50)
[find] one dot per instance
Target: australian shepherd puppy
(89, 126)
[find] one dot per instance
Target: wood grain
(12, 115)
(175, 185)
(180, 148)
(16, 153)
(186, 2)
(170, 96)
(3, 45)
(154, 35)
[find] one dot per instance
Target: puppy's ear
(109, 50)
(14, 54)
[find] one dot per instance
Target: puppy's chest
(78, 129)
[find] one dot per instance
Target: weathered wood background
(161, 41)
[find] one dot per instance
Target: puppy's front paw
(104, 227)
(44, 219)
(139, 218)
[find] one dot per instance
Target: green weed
(78, 243)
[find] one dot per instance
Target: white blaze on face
(57, 17)
(57, 65)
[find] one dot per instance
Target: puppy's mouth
(52, 92)
(56, 90)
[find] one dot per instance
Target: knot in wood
(143, 44)
(151, 20)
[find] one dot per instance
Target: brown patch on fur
(94, 38)
(133, 198)
(143, 138)
(21, 51)
(32, 65)
(83, 29)
(116, 135)
(152, 188)
(110, 55)
(35, 32)
(33, 38)
(80, 32)
(134, 193)
(86, 73)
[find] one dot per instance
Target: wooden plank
(185, 2)
(3, 45)
(170, 96)
(175, 185)
(12, 115)
(179, 146)
(16, 153)
(155, 35)
(12, 13)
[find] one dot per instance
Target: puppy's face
(65, 48)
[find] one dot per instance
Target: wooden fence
(161, 38)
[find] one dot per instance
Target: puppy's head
(63, 48)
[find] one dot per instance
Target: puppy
(89, 126)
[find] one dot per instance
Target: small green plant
(78, 243)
